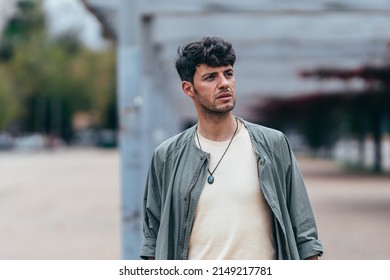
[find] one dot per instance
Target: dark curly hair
(212, 51)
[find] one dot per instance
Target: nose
(223, 82)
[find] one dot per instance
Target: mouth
(224, 95)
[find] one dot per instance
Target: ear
(188, 88)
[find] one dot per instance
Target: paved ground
(65, 205)
(59, 205)
(352, 211)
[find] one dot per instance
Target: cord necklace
(210, 179)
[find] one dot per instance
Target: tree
(50, 79)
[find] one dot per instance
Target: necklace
(210, 179)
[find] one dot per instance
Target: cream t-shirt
(232, 219)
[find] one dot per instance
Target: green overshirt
(178, 173)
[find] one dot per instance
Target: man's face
(214, 89)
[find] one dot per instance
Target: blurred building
(274, 40)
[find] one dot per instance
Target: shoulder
(268, 138)
(264, 134)
(175, 143)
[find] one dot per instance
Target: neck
(217, 128)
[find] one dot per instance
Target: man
(224, 188)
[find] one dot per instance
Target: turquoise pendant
(210, 179)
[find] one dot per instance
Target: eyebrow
(230, 69)
(209, 74)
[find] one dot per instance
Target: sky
(6, 10)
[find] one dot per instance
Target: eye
(209, 78)
(229, 74)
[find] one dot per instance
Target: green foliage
(46, 81)
(9, 106)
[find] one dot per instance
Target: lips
(224, 95)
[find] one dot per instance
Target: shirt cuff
(148, 248)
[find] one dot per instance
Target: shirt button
(263, 160)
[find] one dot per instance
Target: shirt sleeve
(151, 210)
(300, 210)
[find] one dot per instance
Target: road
(65, 204)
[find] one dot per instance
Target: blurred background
(78, 77)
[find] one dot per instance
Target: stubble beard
(212, 111)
